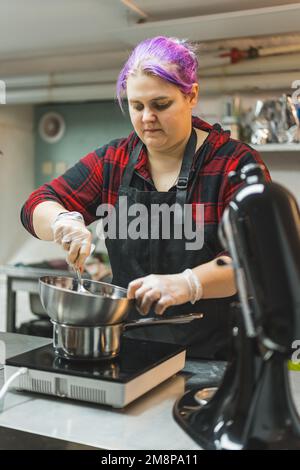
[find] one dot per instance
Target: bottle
(230, 119)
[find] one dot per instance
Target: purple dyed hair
(171, 59)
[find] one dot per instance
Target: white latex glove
(75, 238)
(164, 289)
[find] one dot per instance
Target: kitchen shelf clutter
(269, 124)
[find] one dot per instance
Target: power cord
(4, 389)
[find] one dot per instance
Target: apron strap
(182, 183)
(133, 158)
(196, 170)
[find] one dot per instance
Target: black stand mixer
(253, 407)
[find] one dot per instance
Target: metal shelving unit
(277, 148)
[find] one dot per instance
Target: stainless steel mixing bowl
(106, 304)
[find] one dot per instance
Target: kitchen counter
(45, 422)
(147, 423)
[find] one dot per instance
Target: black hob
(136, 357)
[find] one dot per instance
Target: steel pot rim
(42, 281)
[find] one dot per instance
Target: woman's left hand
(164, 289)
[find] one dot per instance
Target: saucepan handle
(161, 321)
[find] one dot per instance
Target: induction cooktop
(140, 366)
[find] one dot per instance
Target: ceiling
(35, 27)
(159, 10)
(47, 46)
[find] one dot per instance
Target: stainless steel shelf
(277, 148)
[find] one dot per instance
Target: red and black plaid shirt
(96, 178)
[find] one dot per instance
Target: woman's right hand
(75, 238)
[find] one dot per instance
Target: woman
(170, 158)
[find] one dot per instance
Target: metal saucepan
(102, 342)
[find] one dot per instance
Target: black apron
(130, 259)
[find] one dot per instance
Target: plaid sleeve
(79, 189)
(243, 156)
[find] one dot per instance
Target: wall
(285, 169)
(16, 174)
(88, 126)
(16, 182)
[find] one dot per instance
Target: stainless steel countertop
(145, 424)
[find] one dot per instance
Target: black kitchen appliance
(253, 407)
